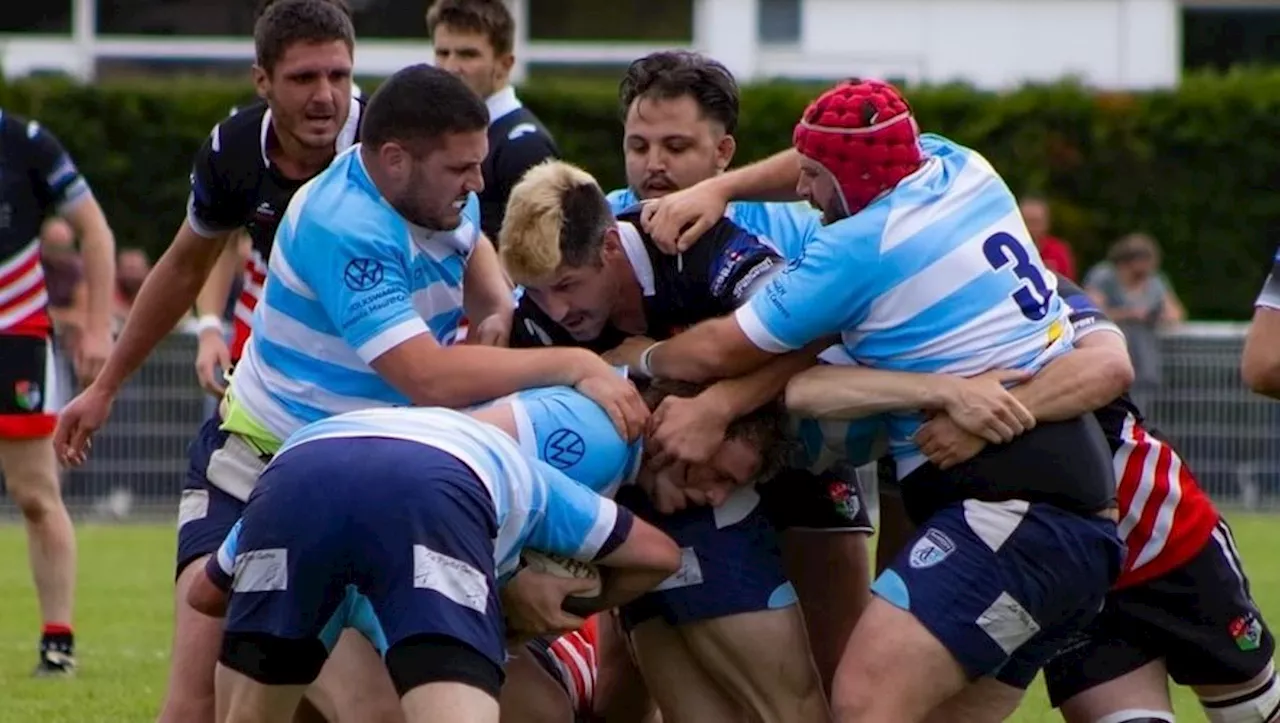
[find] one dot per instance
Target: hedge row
(1196, 167)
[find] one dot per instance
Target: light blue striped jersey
(940, 275)
(537, 505)
(349, 279)
(788, 226)
(567, 430)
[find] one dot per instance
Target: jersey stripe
(24, 300)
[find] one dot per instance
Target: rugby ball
(563, 567)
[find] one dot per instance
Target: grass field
(124, 618)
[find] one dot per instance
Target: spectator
(1130, 289)
(132, 267)
(1055, 252)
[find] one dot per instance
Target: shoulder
(237, 139)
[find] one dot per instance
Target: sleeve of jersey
(214, 206)
(360, 276)
(1269, 298)
(221, 566)
(577, 522)
(827, 289)
(744, 264)
(1085, 315)
(58, 180)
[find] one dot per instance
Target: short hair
(417, 106)
(765, 428)
(1133, 247)
(674, 74)
(264, 4)
(557, 214)
(286, 22)
(488, 17)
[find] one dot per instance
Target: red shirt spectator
(1055, 252)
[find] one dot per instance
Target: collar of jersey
(502, 103)
(346, 136)
(641, 265)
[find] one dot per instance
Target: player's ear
(724, 151)
(261, 80)
(612, 243)
(393, 157)
(503, 65)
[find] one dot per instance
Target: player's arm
(383, 327)
(210, 592)
(214, 209)
(60, 185)
(678, 220)
(488, 299)
(633, 555)
(826, 291)
(1260, 363)
(212, 353)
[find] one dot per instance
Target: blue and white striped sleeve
(576, 522)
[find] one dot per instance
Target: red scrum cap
(863, 133)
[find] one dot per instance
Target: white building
(989, 43)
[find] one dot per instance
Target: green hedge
(1196, 167)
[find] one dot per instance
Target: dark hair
(676, 73)
(765, 428)
(286, 22)
(489, 17)
(264, 4)
(419, 105)
(556, 215)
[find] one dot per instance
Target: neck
(628, 313)
(295, 160)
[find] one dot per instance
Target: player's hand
(212, 359)
(78, 421)
(627, 354)
(91, 354)
(945, 443)
(982, 406)
(620, 400)
(686, 429)
(533, 603)
(679, 219)
(493, 330)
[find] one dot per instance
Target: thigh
(991, 580)
(1213, 632)
(205, 513)
(1112, 646)
(26, 388)
(427, 565)
(292, 570)
(1141, 693)
(30, 470)
(731, 563)
(683, 690)
(531, 694)
(354, 682)
(830, 571)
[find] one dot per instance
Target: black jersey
(710, 279)
(37, 179)
(235, 185)
(517, 142)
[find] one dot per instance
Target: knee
(37, 497)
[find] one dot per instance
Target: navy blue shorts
(1004, 584)
(397, 528)
(730, 562)
(206, 513)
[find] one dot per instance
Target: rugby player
(1181, 608)
(925, 265)
(242, 176)
(1260, 363)
(454, 502)
(474, 39)
(593, 274)
(680, 111)
(555, 679)
(39, 179)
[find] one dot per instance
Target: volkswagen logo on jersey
(564, 448)
(932, 548)
(362, 274)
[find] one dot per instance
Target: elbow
(799, 396)
(1261, 374)
(666, 558)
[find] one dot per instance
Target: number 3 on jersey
(1033, 295)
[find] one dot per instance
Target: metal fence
(1230, 436)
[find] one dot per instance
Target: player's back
(958, 285)
(533, 502)
(348, 279)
